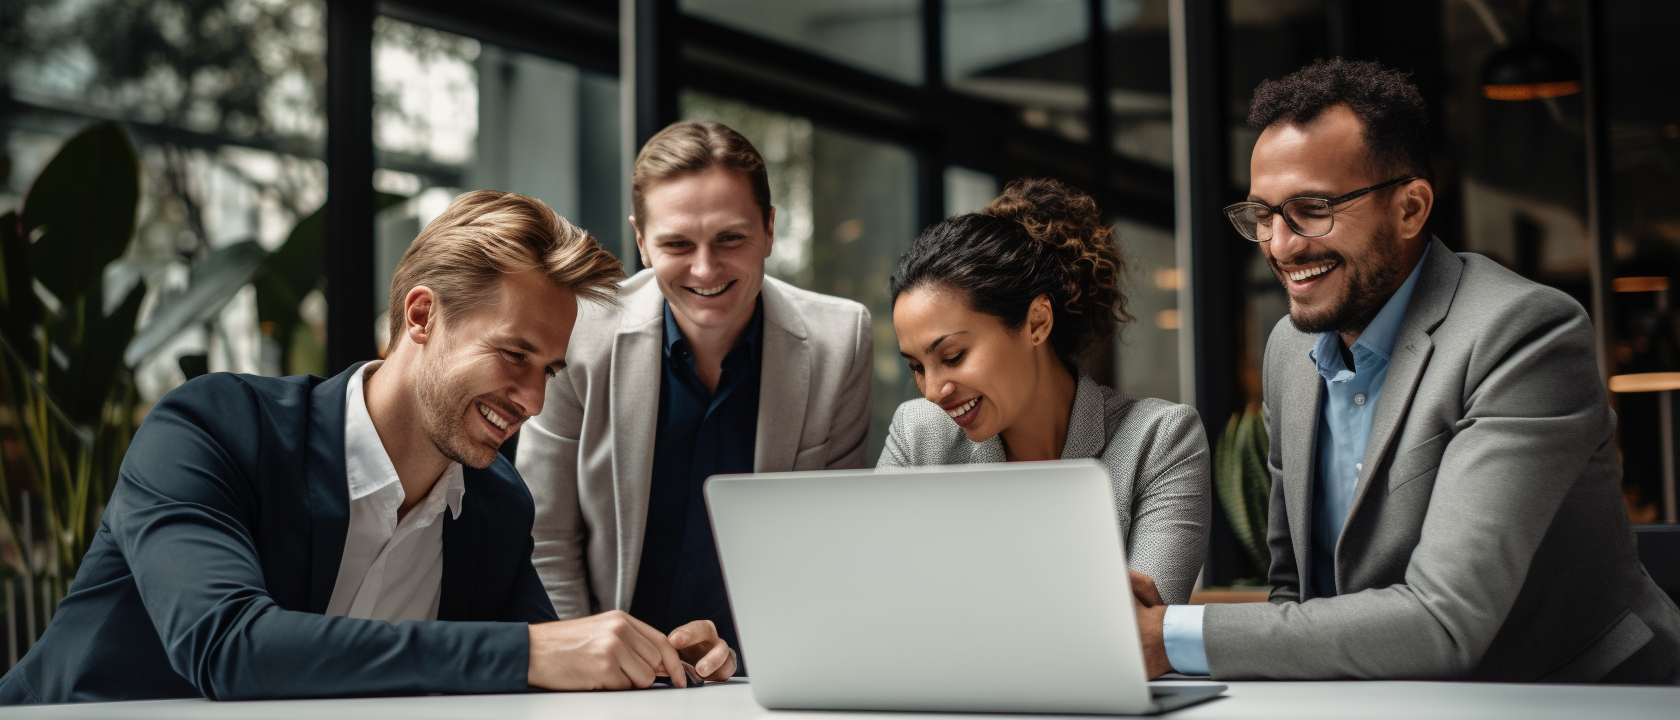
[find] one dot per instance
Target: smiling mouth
(963, 409)
(495, 418)
(708, 292)
(1309, 273)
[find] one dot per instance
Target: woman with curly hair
(991, 311)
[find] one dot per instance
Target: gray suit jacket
(588, 457)
(1487, 539)
(1156, 454)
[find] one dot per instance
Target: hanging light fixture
(1530, 69)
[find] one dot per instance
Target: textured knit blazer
(1155, 452)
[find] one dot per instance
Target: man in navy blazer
(301, 537)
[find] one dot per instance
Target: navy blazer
(218, 552)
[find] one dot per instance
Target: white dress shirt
(391, 570)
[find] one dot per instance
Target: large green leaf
(22, 311)
(214, 282)
(83, 206)
(95, 364)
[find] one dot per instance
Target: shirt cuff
(1181, 632)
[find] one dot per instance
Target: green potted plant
(1243, 484)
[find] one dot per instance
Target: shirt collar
(1379, 335)
(368, 467)
(749, 342)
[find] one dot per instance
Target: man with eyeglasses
(1445, 497)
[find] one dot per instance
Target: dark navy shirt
(700, 434)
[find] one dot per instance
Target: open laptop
(991, 588)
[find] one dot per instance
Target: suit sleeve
(548, 460)
(857, 399)
(1172, 507)
(181, 515)
(1534, 415)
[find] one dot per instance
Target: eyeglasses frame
(1328, 202)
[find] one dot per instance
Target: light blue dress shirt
(1348, 406)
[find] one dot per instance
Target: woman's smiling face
(980, 371)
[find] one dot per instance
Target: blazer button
(1359, 399)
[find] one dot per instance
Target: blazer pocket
(812, 458)
(1418, 461)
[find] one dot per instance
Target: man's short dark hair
(1396, 119)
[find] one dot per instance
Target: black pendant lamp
(1530, 68)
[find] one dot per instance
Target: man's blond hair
(686, 148)
(487, 233)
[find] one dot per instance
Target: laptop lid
(997, 588)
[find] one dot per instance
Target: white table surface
(1243, 701)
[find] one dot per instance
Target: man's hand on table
(1151, 612)
(609, 651)
(698, 643)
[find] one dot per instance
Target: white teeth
(1314, 271)
(708, 292)
(494, 418)
(967, 406)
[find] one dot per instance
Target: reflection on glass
(1140, 81)
(845, 210)
(1029, 54)
(227, 118)
(967, 191)
(454, 114)
(881, 36)
(1146, 351)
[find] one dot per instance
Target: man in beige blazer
(1446, 494)
(708, 367)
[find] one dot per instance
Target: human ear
(1413, 207)
(419, 309)
(770, 231)
(1041, 317)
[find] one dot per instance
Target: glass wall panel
(1645, 180)
(1026, 54)
(454, 114)
(1146, 350)
(1140, 80)
(880, 36)
(845, 212)
(223, 103)
(968, 190)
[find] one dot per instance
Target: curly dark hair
(1395, 116)
(1039, 237)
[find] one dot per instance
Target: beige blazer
(588, 457)
(1487, 539)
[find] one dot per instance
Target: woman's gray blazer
(1156, 454)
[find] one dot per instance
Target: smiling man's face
(706, 239)
(1337, 282)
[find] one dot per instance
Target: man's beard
(443, 421)
(1370, 283)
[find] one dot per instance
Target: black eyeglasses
(1307, 216)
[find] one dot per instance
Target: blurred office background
(310, 141)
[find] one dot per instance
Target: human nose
(705, 262)
(935, 388)
(1285, 243)
(529, 390)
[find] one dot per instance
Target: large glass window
(1146, 351)
(223, 103)
(845, 212)
(1140, 80)
(455, 114)
(881, 36)
(1026, 54)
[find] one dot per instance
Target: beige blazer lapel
(634, 411)
(1431, 299)
(784, 382)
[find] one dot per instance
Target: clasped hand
(614, 651)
